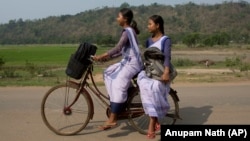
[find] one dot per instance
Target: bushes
(10, 73)
(182, 62)
(191, 40)
(29, 71)
(237, 63)
(194, 39)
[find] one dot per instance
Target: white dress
(153, 92)
(117, 77)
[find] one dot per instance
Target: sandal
(151, 135)
(157, 127)
(107, 126)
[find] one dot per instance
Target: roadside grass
(45, 65)
(223, 77)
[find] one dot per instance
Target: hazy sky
(37, 9)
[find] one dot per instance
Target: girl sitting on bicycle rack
(117, 77)
(154, 92)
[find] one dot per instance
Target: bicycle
(66, 109)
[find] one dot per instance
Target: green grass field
(44, 65)
(49, 55)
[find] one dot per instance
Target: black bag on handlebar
(80, 60)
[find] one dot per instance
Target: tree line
(191, 24)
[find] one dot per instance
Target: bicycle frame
(81, 88)
(94, 89)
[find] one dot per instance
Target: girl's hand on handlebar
(101, 58)
(96, 58)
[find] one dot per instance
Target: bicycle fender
(174, 94)
(85, 92)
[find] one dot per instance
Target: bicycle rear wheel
(140, 120)
(64, 111)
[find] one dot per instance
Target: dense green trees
(191, 24)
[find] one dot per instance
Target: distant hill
(100, 26)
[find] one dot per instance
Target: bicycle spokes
(65, 111)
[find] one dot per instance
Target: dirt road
(200, 104)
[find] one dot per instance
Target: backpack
(80, 60)
(154, 62)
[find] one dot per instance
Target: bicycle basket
(79, 61)
(75, 68)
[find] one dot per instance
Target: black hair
(158, 20)
(128, 14)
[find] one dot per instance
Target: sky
(38, 9)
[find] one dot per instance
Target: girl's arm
(167, 52)
(116, 51)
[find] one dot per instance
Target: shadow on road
(125, 130)
(120, 130)
(194, 115)
(189, 115)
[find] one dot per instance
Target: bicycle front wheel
(64, 110)
(140, 121)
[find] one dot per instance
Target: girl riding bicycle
(117, 77)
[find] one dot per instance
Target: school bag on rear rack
(80, 60)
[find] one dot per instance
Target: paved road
(20, 118)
